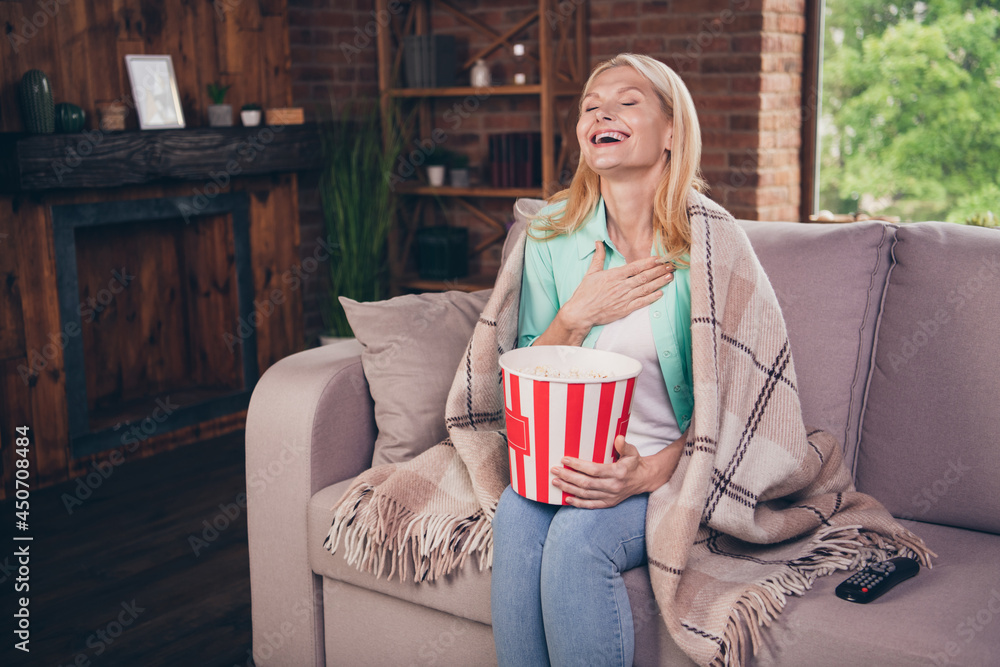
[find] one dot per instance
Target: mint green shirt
(553, 269)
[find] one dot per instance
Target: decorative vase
(220, 115)
(70, 118)
(37, 109)
(250, 117)
(459, 177)
(435, 175)
(480, 77)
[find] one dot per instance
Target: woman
(605, 267)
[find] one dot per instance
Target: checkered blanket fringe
(758, 508)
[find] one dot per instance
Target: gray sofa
(895, 332)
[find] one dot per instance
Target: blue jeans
(557, 591)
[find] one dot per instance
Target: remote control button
(864, 590)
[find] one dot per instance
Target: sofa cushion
(389, 631)
(946, 615)
(465, 593)
(829, 281)
(412, 347)
(929, 444)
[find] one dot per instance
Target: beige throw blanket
(759, 506)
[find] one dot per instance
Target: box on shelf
(285, 116)
(443, 253)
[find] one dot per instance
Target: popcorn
(572, 373)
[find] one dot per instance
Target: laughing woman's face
(622, 128)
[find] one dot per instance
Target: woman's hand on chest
(607, 295)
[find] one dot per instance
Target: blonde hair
(672, 227)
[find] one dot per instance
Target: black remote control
(874, 580)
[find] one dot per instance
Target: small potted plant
(250, 115)
(220, 114)
(459, 163)
(437, 160)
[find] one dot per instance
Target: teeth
(609, 137)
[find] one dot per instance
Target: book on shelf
(515, 160)
(429, 61)
(414, 77)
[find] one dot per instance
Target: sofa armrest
(310, 424)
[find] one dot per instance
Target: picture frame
(154, 89)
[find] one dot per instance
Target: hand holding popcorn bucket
(561, 400)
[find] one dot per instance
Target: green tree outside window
(910, 122)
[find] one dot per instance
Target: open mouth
(608, 138)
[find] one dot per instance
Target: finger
(590, 504)
(637, 266)
(646, 263)
(640, 298)
(588, 468)
(654, 277)
(597, 262)
(652, 287)
(650, 298)
(566, 478)
(641, 302)
(584, 486)
(583, 492)
(624, 448)
(659, 270)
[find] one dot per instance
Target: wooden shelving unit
(561, 64)
(32, 162)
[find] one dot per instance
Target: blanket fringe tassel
(398, 538)
(835, 548)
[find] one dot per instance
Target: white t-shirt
(652, 425)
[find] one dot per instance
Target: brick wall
(741, 59)
(333, 59)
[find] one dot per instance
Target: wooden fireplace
(142, 306)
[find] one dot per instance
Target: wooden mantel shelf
(95, 159)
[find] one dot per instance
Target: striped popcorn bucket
(560, 401)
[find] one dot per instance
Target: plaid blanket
(759, 506)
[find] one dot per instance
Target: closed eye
(590, 109)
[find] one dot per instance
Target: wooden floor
(115, 579)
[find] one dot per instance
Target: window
(910, 114)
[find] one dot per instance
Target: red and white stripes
(548, 420)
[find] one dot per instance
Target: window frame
(811, 100)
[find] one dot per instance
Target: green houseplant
(220, 114)
(359, 208)
(250, 114)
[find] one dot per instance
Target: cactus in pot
(220, 114)
(37, 107)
